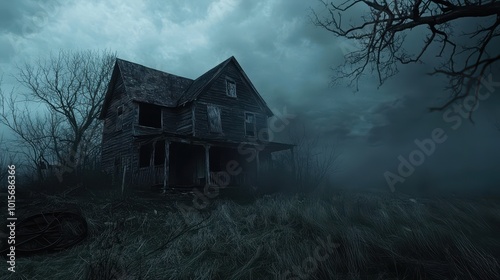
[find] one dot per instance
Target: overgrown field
(338, 236)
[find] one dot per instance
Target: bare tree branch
(6, 158)
(70, 88)
(382, 30)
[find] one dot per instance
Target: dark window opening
(160, 152)
(214, 122)
(230, 88)
(145, 152)
(150, 115)
(249, 124)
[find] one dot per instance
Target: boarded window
(145, 152)
(249, 124)
(160, 152)
(119, 118)
(230, 88)
(149, 115)
(214, 123)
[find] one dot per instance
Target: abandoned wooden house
(165, 130)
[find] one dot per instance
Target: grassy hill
(342, 235)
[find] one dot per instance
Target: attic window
(230, 87)
(149, 115)
(250, 124)
(214, 123)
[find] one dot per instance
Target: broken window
(230, 88)
(160, 152)
(119, 118)
(149, 115)
(249, 124)
(145, 152)
(214, 123)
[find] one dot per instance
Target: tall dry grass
(342, 236)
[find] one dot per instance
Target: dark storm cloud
(26, 16)
(290, 62)
(19, 19)
(12, 14)
(6, 49)
(177, 11)
(467, 160)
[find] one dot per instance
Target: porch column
(257, 159)
(207, 164)
(166, 166)
(152, 170)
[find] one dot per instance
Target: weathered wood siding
(174, 120)
(117, 143)
(232, 109)
(191, 119)
(183, 120)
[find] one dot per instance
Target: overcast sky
(289, 61)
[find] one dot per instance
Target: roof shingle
(152, 86)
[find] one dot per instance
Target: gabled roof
(199, 85)
(202, 82)
(152, 86)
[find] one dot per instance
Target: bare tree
(382, 30)
(311, 162)
(69, 88)
(32, 139)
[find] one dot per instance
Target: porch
(170, 163)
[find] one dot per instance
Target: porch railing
(154, 176)
(244, 178)
(149, 176)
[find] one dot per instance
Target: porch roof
(188, 139)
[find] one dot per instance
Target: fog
(290, 61)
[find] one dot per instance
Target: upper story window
(214, 121)
(119, 118)
(150, 115)
(250, 124)
(230, 87)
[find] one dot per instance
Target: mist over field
(379, 186)
(289, 60)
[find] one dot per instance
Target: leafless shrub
(310, 163)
